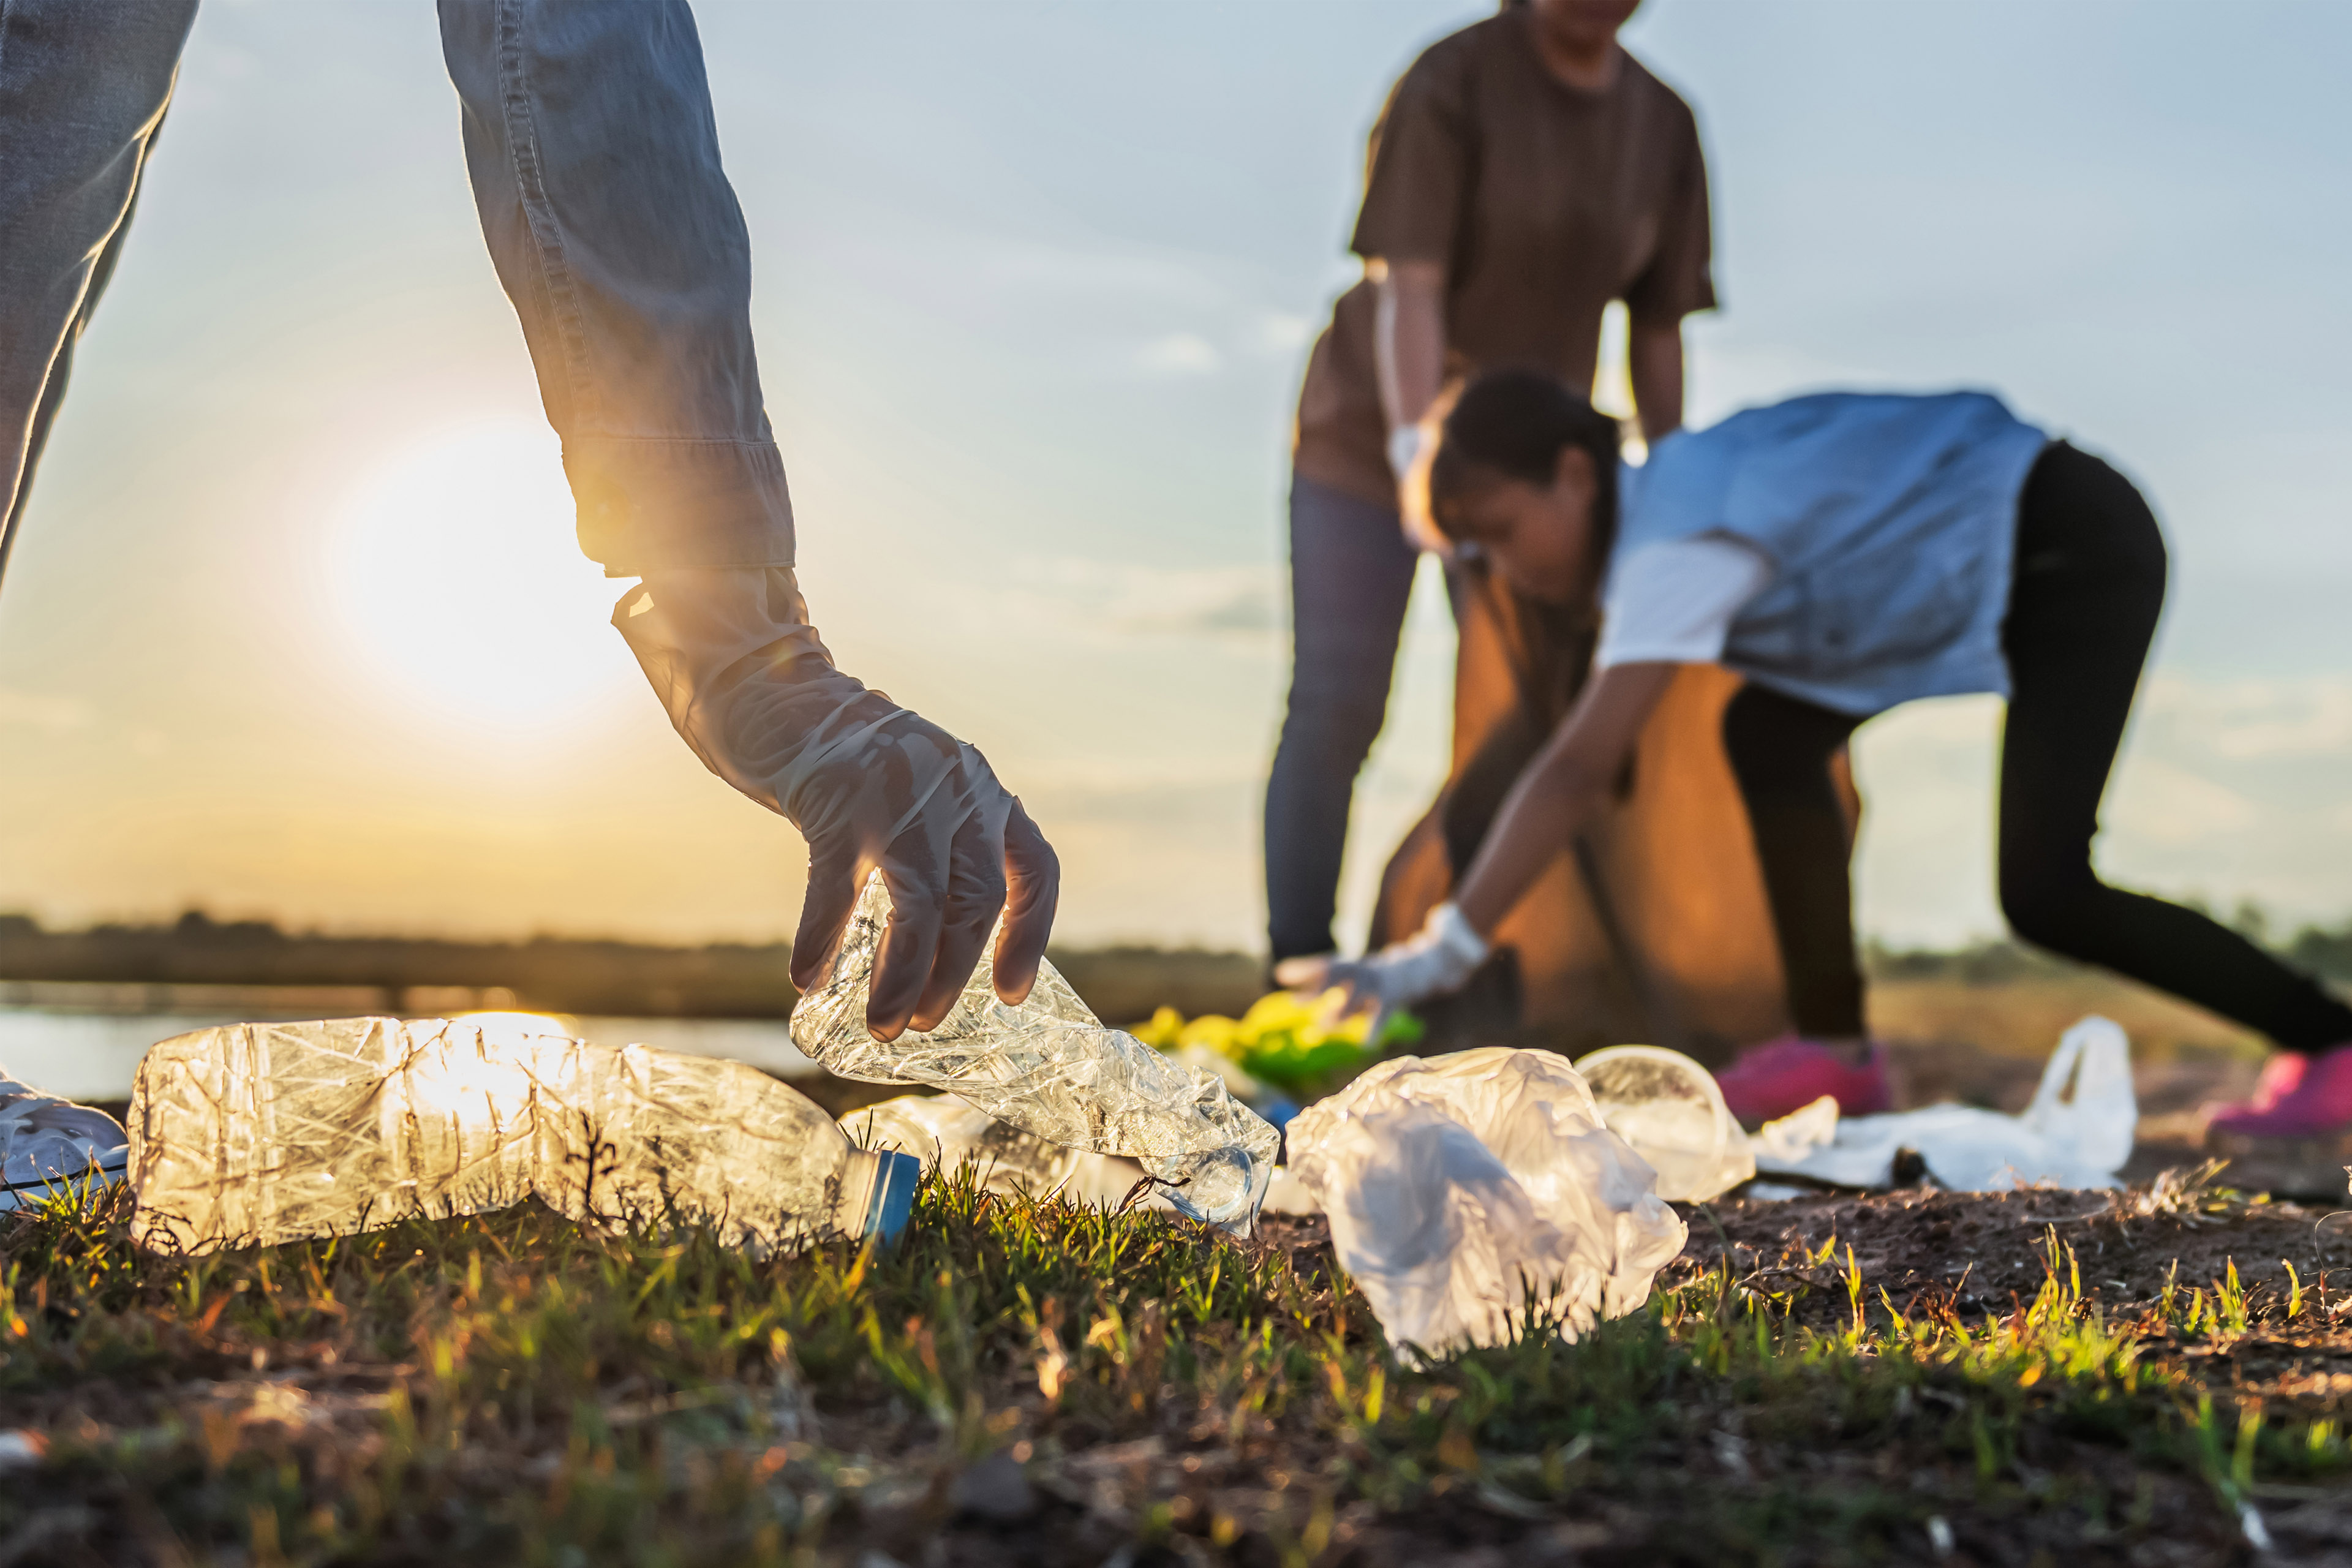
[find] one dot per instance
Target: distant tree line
(742, 980)
(559, 975)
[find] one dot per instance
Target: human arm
(1653, 363)
(1670, 603)
(592, 120)
(1562, 792)
(1409, 361)
(1408, 336)
(1678, 279)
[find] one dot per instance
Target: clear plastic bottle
(946, 1131)
(1671, 1110)
(271, 1133)
(1053, 1070)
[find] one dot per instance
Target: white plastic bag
(50, 1146)
(1671, 1110)
(2077, 1133)
(1462, 1189)
(2084, 1109)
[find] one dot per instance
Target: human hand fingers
(916, 873)
(975, 893)
(1033, 890)
(833, 886)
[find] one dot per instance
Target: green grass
(513, 1389)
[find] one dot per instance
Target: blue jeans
(595, 162)
(1350, 579)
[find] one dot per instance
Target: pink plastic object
(2296, 1097)
(1772, 1080)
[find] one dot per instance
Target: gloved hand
(1437, 959)
(731, 654)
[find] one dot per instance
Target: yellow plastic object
(1284, 1039)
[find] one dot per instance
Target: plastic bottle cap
(891, 1199)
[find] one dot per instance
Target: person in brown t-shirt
(1525, 173)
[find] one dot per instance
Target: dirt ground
(1987, 1254)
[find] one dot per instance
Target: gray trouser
(1351, 581)
(595, 162)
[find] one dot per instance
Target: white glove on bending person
(1437, 959)
(731, 654)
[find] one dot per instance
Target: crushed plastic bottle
(946, 1131)
(49, 1146)
(1459, 1186)
(1053, 1070)
(1672, 1111)
(2077, 1133)
(271, 1133)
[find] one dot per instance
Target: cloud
(1281, 332)
(1173, 277)
(2256, 720)
(2172, 807)
(1180, 354)
(44, 713)
(1129, 600)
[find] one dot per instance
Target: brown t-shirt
(1545, 202)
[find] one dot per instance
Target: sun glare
(456, 578)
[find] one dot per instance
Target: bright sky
(298, 629)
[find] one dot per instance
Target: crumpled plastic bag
(1053, 1070)
(50, 1146)
(2077, 1133)
(260, 1133)
(1671, 1110)
(1465, 1188)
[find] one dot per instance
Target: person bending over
(594, 154)
(1845, 553)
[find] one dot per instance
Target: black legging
(2089, 587)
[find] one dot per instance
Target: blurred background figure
(1526, 174)
(1848, 554)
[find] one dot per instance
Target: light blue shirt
(1890, 525)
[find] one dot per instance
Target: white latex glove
(1410, 447)
(731, 654)
(1437, 959)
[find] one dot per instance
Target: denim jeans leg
(83, 89)
(1350, 578)
(595, 162)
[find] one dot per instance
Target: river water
(90, 1052)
